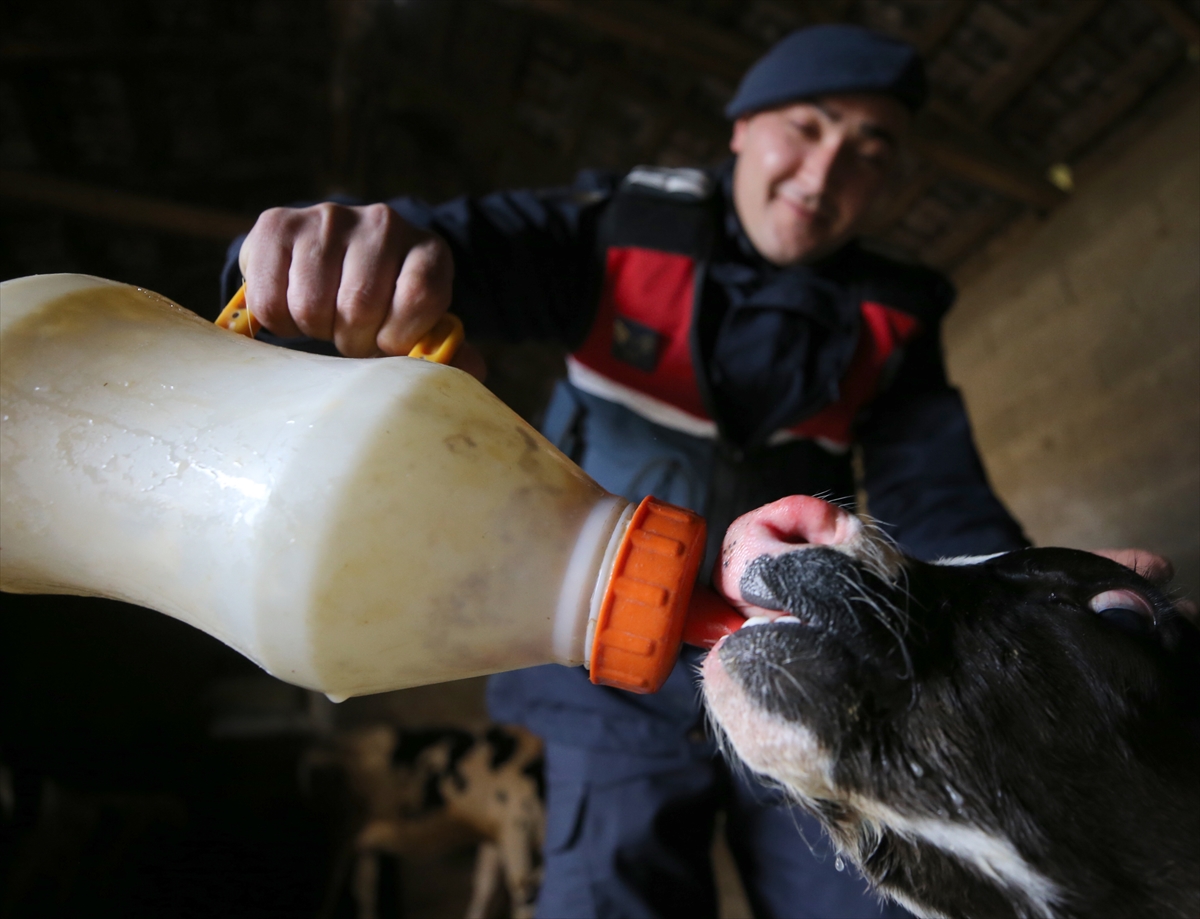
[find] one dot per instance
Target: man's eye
(809, 130)
(1125, 609)
(876, 159)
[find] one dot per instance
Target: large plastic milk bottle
(352, 526)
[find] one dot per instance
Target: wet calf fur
(1012, 736)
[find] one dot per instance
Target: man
(730, 344)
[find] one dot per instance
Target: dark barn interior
(148, 770)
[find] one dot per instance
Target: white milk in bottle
(352, 526)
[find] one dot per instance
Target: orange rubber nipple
(710, 618)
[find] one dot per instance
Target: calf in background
(421, 792)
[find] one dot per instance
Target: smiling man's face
(808, 173)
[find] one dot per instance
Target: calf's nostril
(803, 520)
(787, 537)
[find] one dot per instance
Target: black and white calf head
(1009, 736)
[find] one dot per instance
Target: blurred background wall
(1079, 351)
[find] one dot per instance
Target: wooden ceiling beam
(1127, 84)
(619, 79)
(27, 52)
(659, 31)
(1178, 19)
(818, 11)
(904, 199)
(967, 233)
(1007, 80)
(985, 164)
(122, 207)
(941, 25)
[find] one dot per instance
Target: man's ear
(737, 141)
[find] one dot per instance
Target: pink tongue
(710, 618)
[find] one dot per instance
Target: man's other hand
(361, 277)
(1153, 568)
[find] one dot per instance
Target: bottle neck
(586, 579)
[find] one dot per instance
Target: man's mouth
(805, 207)
(801, 214)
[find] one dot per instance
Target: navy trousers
(629, 837)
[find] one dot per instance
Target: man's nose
(820, 163)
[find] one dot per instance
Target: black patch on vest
(644, 219)
(635, 344)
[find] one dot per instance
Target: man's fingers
(318, 252)
(266, 260)
(359, 276)
(1151, 566)
(421, 296)
(368, 281)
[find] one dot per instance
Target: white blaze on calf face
(781, 750)
(785, 751)
(962, 560)
(991, 855)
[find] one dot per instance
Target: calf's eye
(1125, 609)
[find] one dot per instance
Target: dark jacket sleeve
(923, 476)
(525, 263)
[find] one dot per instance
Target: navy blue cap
(826, 59)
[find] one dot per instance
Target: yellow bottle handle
(439, 345)
(236, 317)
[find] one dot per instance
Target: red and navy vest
(642, 349)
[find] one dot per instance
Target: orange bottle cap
(640, 624)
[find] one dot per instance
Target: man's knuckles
(362, 277)
(1150, 565)
(276, 223)
(381, 222)
(312, 310)
(422, 295)
(429, 266)
(360, 312)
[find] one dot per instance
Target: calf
(1015, 735)
(418, 793)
